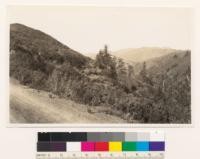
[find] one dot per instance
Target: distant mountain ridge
(143, 53)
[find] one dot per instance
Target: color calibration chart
(94, 145)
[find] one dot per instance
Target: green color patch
(129, 146)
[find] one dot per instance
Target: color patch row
(100, 136)
(99, 146)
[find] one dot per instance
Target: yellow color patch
(115, 146)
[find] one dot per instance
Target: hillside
(172, 63)
(37, 44)
(169, 86)
(39, 61)
(142, 54)
(34, 56)
(157, 91)
(164, 63)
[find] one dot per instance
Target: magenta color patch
(87, 146)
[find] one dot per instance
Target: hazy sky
(87, 29)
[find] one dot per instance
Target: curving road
(30, 106)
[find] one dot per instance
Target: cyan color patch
(142, 146)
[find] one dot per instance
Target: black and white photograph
(99, 65)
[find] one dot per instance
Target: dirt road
(30, 106)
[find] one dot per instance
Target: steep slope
(168, 91)
(34, 55)
(175, 63)
(36, 43)
(142, 54)
(164, 63)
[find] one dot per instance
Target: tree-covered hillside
(158, 91)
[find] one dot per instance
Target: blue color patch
(142, 146)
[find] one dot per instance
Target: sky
(88, 29)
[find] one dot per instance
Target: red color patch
(101, 146)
